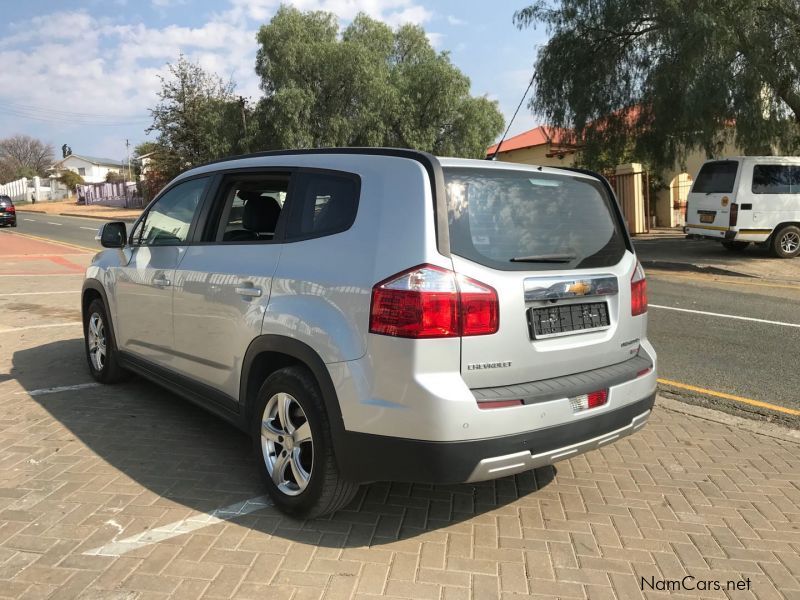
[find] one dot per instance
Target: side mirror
(112, 235)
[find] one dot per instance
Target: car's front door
(223, 283)
(145, 283)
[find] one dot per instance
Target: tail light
(431, 302)
(11, 209)
(686, 212)
(638, 291)
(734, 215)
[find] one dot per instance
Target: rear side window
(776, 179)
(716, 177)
(322, 204)
(517, 220)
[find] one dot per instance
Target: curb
(771, 430)
(99, 217)
(666, 265)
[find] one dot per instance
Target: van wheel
(292, 440)
(786, 242)
(735, 246)
(101, 349)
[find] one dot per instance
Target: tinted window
(776, 179)
(322, 204)
(252, 207)
(168, 221)
(496, 216)
(716, 177)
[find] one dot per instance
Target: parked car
(746, 199)
(379, 314)
(8, 213)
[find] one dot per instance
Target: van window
(542, 221)
(776, 179)
(716, 177)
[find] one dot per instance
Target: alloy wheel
(96, 341)
(790, 241)
(287, 444)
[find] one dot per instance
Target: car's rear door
(224, 280)
(711, 196)
(552, 246)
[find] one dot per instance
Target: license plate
(552, 321)
(706, 218)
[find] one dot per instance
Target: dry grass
(71, 208)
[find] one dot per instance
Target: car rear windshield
(525, 220)
(716, 177)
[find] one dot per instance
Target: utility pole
(242, 106)
(128, 151)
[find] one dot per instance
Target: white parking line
(90, 228)
(32, 220)
(153, 536)
(13, 329)
(40, 293)
(713, 314)
(51, 223)
(62, 388)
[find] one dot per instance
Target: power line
(521, 100)
(68, 113)
(38, 115)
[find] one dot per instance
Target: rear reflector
(487, 404)
(587, 401)
(644, 372)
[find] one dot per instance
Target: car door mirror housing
(112, 235)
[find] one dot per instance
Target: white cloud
(453, 20)
(107, 69)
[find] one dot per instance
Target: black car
(8, 214)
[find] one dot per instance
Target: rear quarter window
(717, 177)
(555, 221)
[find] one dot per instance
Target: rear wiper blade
(545, 258)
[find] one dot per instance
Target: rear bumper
(375, 457)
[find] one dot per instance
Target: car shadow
(180, 452)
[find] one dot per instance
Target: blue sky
(84, 73)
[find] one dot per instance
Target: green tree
(197, 119)
(655, 79)
(369, 86)
(71, 179)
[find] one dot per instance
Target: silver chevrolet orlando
(382, 314)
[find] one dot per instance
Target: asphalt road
(747, 358)
(72, 230)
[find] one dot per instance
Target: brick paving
(81, 469)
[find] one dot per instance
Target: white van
(747, 199)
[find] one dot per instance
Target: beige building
(548, 146)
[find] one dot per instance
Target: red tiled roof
(537, 136)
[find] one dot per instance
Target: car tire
(786, 242)
(294, 448)
(735, 246)
(101, 348)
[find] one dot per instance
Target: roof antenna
(500, 143)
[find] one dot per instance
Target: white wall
(92, 173)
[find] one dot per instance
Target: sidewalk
(69, 208)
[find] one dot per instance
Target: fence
(39, 188)
(118, 194)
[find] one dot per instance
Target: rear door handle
(161, 281)
(249, 290)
